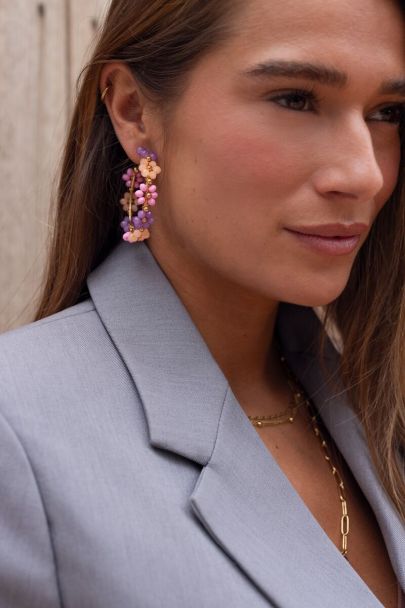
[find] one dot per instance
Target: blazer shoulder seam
(77, 313)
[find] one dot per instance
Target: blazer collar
(181, 386)
(191, 410)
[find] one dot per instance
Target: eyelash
(309, 95)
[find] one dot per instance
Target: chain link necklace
(299, 398)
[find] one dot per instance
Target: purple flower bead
(125, 224)
(143, 152)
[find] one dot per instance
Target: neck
(237, 326)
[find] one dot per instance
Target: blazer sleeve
(27, 567)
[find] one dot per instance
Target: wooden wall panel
(42, 45)
(85, 19)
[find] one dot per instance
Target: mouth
(332, 239)
(332, 230)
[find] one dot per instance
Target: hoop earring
(104, 93)
(142, 193)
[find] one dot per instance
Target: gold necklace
(288, 415)
(300, 397)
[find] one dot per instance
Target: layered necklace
(299, 398)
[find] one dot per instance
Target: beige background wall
(42, 48)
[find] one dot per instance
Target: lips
(331, 230)
(330, 239)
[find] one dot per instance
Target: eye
(392, 114)
(297, 99)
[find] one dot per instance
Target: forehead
(364, 29)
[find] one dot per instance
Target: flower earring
(141, 195)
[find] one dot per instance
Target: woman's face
(254, 156)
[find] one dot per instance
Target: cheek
(233, 170)
(237, 165)
(232, 197)
(242, 148)
(232, 178)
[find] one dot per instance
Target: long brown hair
(160, 41)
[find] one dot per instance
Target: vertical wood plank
(41, 53)
(33, 98)
(85, 19)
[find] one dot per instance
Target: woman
(178, 429)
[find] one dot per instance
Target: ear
(134, 118)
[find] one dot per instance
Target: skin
(233, 181)
(238, 167)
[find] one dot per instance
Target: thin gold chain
(299, 398)
(287, 415)
(344, 519)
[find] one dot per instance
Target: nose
(349, 166)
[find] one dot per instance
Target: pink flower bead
(127, 175)
(152, 188)
(132, 237)
(144, 187)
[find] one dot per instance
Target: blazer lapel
(180, 385)
(242, 497)
(254, 513)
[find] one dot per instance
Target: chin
(314, 293)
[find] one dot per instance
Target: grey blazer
(130, 476)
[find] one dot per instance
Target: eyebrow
(317, 72)
(393, 86)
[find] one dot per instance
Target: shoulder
(45, 328)
(49, 363)
(26, 350)
(37, 338)
(60, 380)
